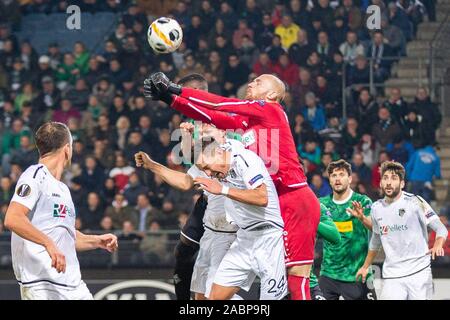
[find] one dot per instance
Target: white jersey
(402, 226)
(247, 171)
(215, 216)
(53, 213)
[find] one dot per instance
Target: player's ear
(402, 184)
(272, 96)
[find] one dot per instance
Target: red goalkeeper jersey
(264, 127)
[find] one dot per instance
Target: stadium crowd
(310, 45)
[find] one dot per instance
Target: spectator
(220, 29)
(106, 225)
(120, 135)
(338, 31)
(365, 110)
(146, 213)
(379, 52)
(361, 169)
(368, 149)
(327, 95)
(351, 136)
(240, 32)
(81, 56)
(130, 243)
(415, 10)
(6, 190)
(423, 166)
(26, 155)
(358, 76)
(386, 128)
(263, 65)
(313, 112)
(265, 32)
(134, 145)
(68, 71)
(351, 48)
(414, 130)
(193, 33)
(79, 95)
(11, 141)
(319, 185)
(400, 150)
(108, 191)
(324, 48)
(27, 94)
(121, 173)
(207, 15)
(302, 130)
(252, 14)
(103, 131)
(431, 115)
(235, 74)
(286, 70)
(315, 65)
(18, 74)
(311, 151)
(104, 90)
(190, 66)
(103, 154)
(228, 16)
(352, 15)
(92, 176)
(77, 192)
(397, 106)
(91, 214)
(95, 70)
(394, 36)
(66, 112)
(300, 50)
(120, 211)
(275, 49)
(383, 156)
(398, 17)
(133, 189)
(154, 244)
(288, 31)
(325, 12)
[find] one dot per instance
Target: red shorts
(300, 210)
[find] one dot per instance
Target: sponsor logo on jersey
(249, 138)
(401, 212)
(61, 211)
(56, 195)
(344, 226)
(384, 230)
(255, 178)
(23, 190)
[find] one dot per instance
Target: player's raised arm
(17, 221)
(257, 197)
(174, 178)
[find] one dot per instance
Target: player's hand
(356, 210)
(108, 242)
(187, 127)
(436, 251)
(210, 185)
(143, 160)
(163, 84)
(150, 91)
(362, 272)
(58, 258)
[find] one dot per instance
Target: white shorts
(47, 291)
(418, 286)
(255, 253)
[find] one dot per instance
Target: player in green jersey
(350, 212)
(329, 232)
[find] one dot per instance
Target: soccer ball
(164, 35)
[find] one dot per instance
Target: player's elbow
(9, 222)
(263, 201)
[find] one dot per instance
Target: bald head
(266, 87)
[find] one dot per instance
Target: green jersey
(342, 261)
(326, 222)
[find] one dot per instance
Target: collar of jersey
(345, 200)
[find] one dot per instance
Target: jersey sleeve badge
(23, 190)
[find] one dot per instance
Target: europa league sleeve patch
(23, 190)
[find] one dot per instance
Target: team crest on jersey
(61, 211)
(401, 212)
(24, 190)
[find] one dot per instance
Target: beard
(394, 193)
(341, 189)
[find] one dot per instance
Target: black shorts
(332, 289)
(193, 229)
(316, 293)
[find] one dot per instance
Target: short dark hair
(51, 136)
(194, 77)
(396, 167)
(339, 165)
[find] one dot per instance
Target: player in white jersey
(400, 222)
(253, 205)
(219, 233)
(41, 216)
